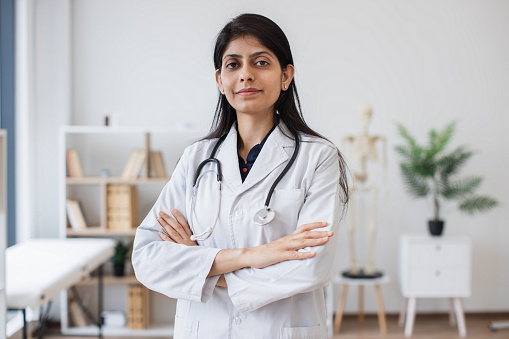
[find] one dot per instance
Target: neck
(252, 129)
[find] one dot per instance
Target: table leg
(410, 317)
(460, 317)
(24, 311)
(360, 316)
(44, 319)
(452, 318)
(341, 306)
(381, 312)
(402, 314)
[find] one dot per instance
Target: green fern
(429, 170)
(477, 204)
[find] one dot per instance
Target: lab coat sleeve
(250, 288)
(175, 270)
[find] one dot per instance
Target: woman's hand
(286, 248)
(177, 230)
(222, 281)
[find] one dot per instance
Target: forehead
(245, 45)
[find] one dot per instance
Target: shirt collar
(255, 150)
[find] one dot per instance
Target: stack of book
(121, 207)
(138, 307)
(134, 164)
(138, 161)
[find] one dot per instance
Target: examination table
(38, 270)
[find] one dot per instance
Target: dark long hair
(288, 105)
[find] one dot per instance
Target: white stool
(376, 282)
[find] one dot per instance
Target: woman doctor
(239, 279)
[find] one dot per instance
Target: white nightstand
(434, 267)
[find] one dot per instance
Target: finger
(173, 224)
(182, 221)
(298, 244)
(316, 234)
(311, 226)
(169, 230)
(166, 227)
(294, 255)
(164, 237)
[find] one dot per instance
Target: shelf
(96, 231)
(112, 180)
(155, 330)
(97, 202)
(110, 280)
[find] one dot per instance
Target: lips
(248, 91)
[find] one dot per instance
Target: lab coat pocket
(313, 332)
(185, 329)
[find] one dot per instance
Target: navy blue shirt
(245, 167)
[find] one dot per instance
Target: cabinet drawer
(439, 255)
(437, 282)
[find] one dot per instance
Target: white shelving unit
(3, 229)
(102, 147)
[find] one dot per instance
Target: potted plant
(428, 170)
(119, 258)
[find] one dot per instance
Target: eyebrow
(255, 54)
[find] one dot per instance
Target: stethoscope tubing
(211, 159)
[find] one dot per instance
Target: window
(7, 105)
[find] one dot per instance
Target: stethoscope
(262, 217)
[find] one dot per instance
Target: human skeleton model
(364, 150)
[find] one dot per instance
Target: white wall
(43, 97)
(419, 63)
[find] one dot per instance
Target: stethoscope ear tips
(193, 237)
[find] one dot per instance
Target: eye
(261, 63)
(231, 65)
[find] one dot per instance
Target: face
(251, 77)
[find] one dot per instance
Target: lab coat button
(238, 213)
(237, 321)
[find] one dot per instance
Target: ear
(219, 81)
(288, 73)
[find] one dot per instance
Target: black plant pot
(436, 227)
(118, 269)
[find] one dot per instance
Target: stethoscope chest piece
(264, 216)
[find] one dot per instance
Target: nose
(246, 74)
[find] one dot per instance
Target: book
(77, 315)
(127, 168)
(134, 164)
(121, 207)
(157, 169)
(160, 170)
(73, 163)
(138, 307)
(75, 215)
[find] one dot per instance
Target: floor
(426, 327)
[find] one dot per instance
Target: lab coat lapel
(272, 156)
(227, 155)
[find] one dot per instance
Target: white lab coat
(285, 300)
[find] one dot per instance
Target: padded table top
(38, 269)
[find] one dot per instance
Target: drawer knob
(438, 247)
(437, 273)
